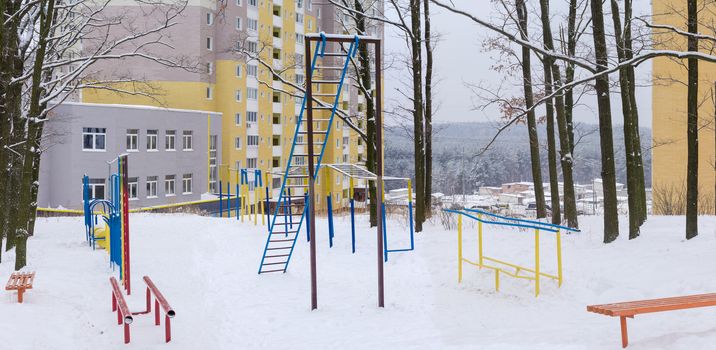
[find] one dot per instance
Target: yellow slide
(102, 236)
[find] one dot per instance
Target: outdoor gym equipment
(534, 273)
(115, 214)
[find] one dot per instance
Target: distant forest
(456, 145)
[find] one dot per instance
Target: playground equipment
(114, 234)
(125, 317)
(297, 196)
(355, 172)
(20, 281)
(503, 267)
(633, 308)
(242, 197)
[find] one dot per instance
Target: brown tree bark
(611, 219)
(418, 128)
(428, 110)
(692, 129)
(566, 159)
(551, 145)
(535, 161)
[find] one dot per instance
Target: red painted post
(156, 312)
(126, 333)
(119, 317)
(114, 302)
(167, 329)
(149, 301)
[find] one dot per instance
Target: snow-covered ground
(206, 267)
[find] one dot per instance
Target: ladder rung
(315, 132)
(303, 155)
(267, 271)
(335, 54)
(323, 95)
(279, 248)
(296, 186)
(276, 256)
(297, 176)
(275, 263)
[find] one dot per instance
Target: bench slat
(654, 305)
(20, 280)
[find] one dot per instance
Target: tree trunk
(611, 219)
(428, 110)
(551, 147)
(31, 150)
(566, 159)
(418, 130)
(624, 87)
(365, 79)
(692, 132)
(529, 102)
(569, 71)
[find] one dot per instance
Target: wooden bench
(20, 281)
(632, 308)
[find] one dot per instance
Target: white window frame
(133, 188)
(239, 25)
(252, 93)
(94, 185)
(187, 140)
(151, 187)
(132, 140)
(209, 19)
(239, 70)
(169, 185)
(170, 139)
(237, 118)
(96, 134)
(252, 70)
(251, 116)
(186, 184)
(152, 140)
(209, 43)
(237, 142)
(209, 93)
(238, 95)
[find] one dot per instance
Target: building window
(209, 18)
(237, 118)
(251, 163)
(318, 12)
(276, 97)
(251, 117)
(187, 140)
(209, 93)
(169, 185)
(93, 139)
(310, 4)
(252, 140)
(252, 2)
(299, 18)
(276, 141)
(252, 70)
(252, 24)
(151, 187)
(310, 24)
(132, 186)
(238, 2)
(186, 184)
(209, 44)
(238, 95)
(252, 93)
(276, 162)
(237, 142)
(132, 140)
(209, 68)
(238, 23)
(253, 46)
(277, 118)
(96, 187)
(238, 71)
(152, 140)
(345, 158)
(169, 140)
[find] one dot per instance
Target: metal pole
(311, 176)
(379, 150)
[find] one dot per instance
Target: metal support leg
(167, 329)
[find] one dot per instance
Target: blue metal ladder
(291, 207)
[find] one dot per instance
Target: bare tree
(692, 167)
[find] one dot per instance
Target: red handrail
(159, 300)
(120, 305)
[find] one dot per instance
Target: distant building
(489, 191)
(171, 153)
(516, 187)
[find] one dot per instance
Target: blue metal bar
(410, 218)
(385, 235)
(353, 227)
(221, 201)
(228, 199)
(290, 217)
(500, 223)
(330, 220)
(268, 209)
(238, 202)
(522, 220)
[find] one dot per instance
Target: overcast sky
(460, 59)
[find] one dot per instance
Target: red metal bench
(118, 299)
(632, 308)
(20, 281)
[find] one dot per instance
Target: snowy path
(206, 267)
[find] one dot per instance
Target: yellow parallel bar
(536, 262)
(459, 248)
(67, 211)
(559, 257)
(410, 192)
(350, 181)
(518, 267)
(497, 280)
(479, 238)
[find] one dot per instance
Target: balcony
(277, 129)
(277, 20)
(277, 150)
(277, 42)
(277, 107)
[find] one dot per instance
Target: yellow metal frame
(509, 269)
